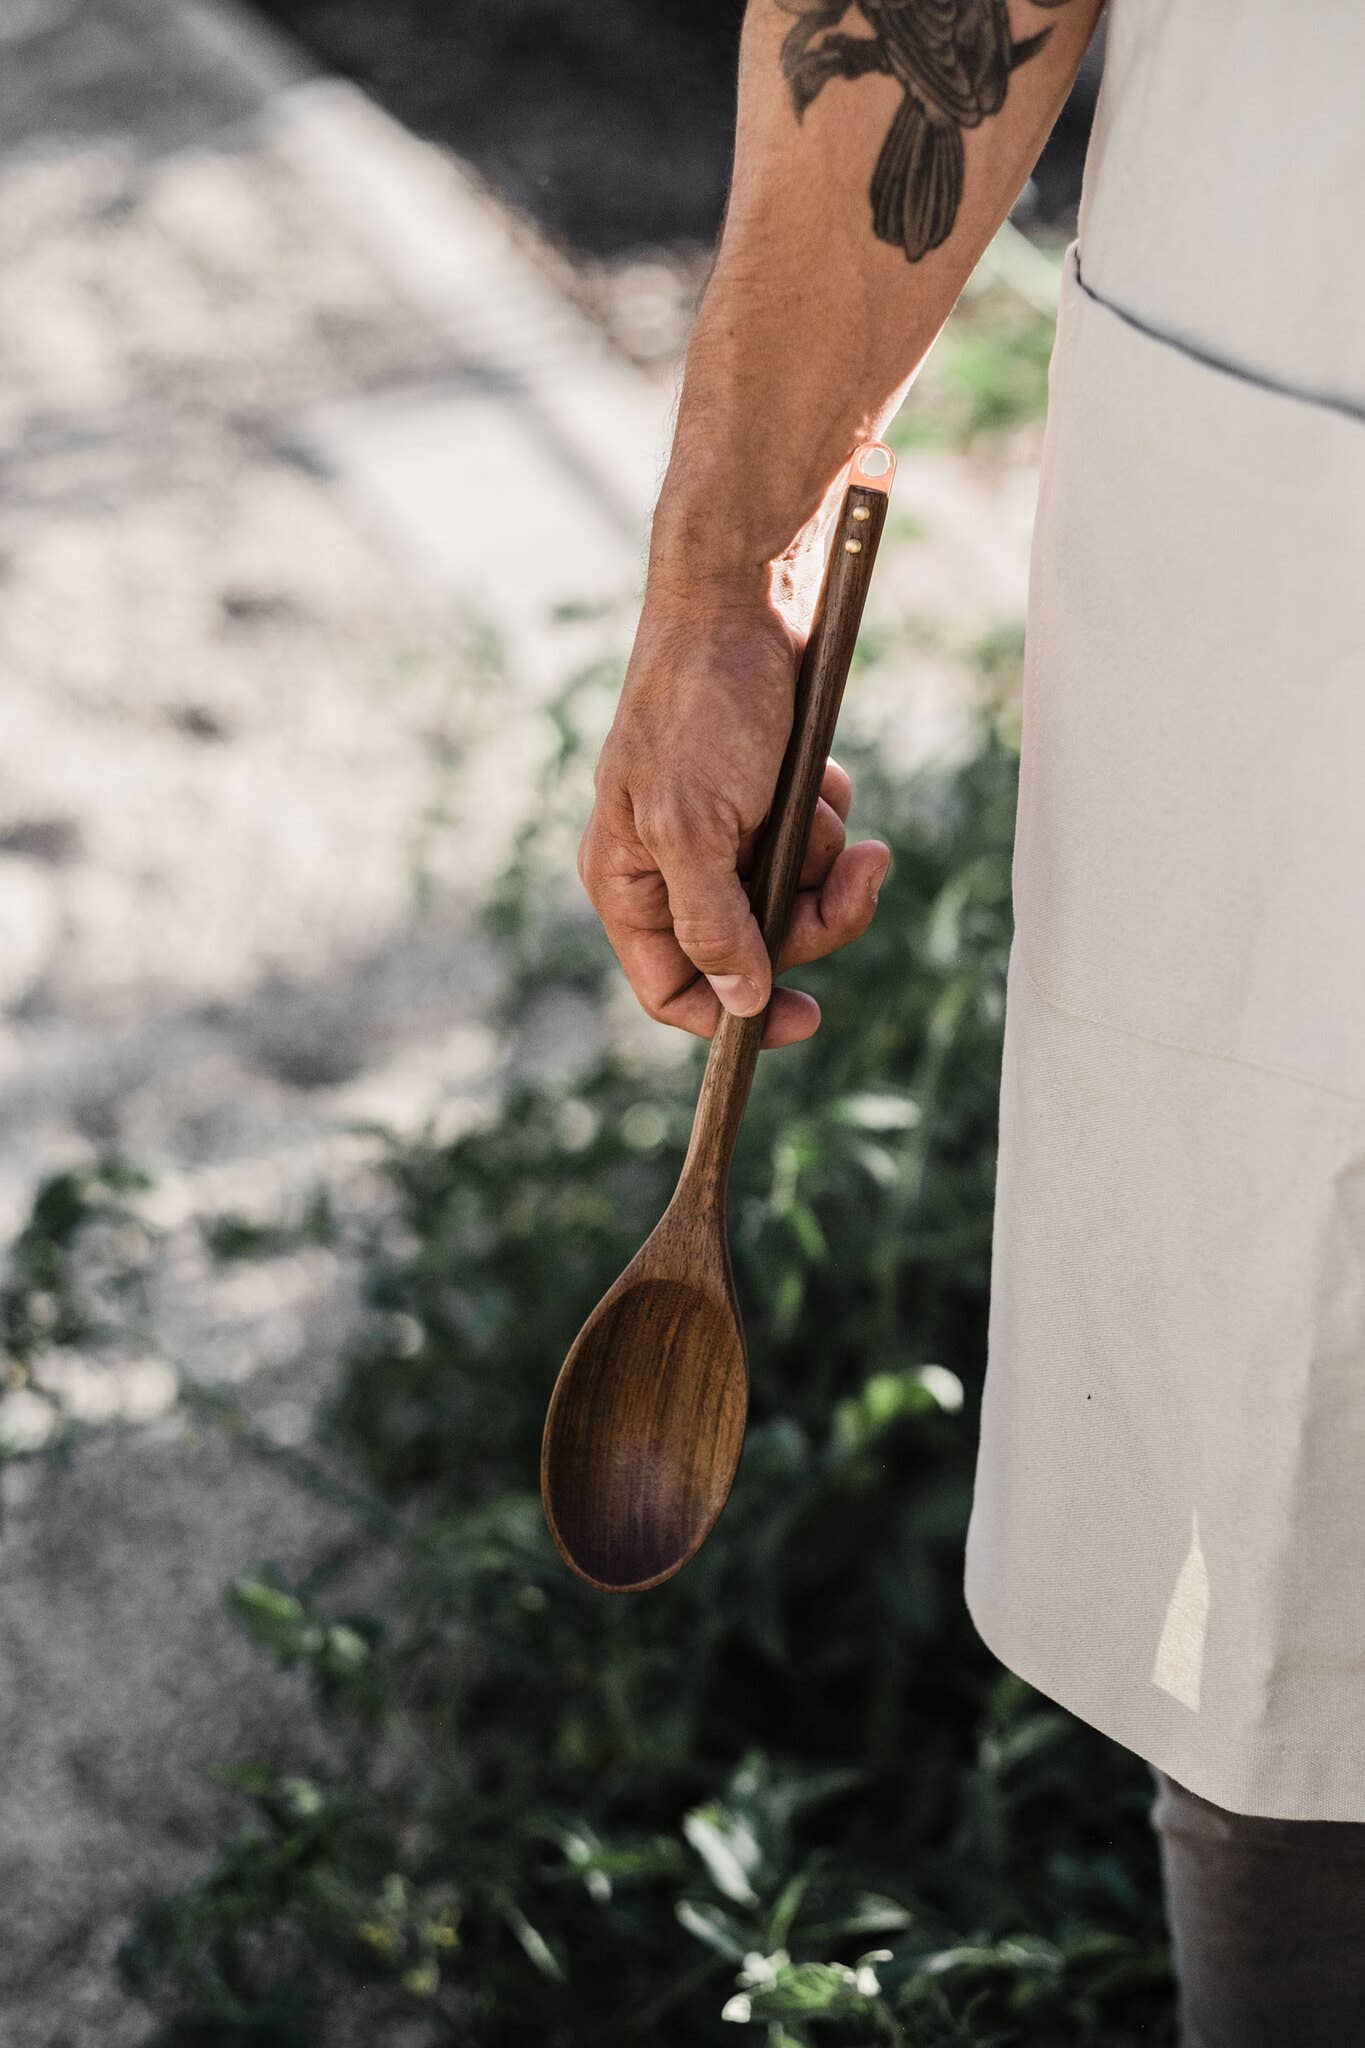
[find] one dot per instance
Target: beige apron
(1168, 1533)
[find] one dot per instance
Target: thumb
(714, 924)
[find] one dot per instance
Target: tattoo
(952, 60)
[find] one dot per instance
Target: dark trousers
(1267, 1922)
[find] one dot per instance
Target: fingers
(678, 916)
(840, 910)
(675, 909)
(823, 847)
(634, 909)
(792, 1016)
(697, 849)
(827, 833)
(837, 789)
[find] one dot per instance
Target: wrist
(739, 532)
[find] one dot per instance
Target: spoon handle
(782, 848)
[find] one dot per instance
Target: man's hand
(819, 310)
(684, 782)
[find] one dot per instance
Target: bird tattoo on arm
(952, 60)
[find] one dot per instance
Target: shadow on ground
(609, 125)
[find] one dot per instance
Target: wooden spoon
(646, 1421)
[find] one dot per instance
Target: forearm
(878, 149)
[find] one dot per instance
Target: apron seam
(1227, 366)
(1180, 1045)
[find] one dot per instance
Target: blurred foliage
(230, 1235)
(789, 1791)
(74, 1290)
(987, 374)
(47, 1298)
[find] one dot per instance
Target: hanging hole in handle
(874, 462)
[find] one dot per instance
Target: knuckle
(662, 824)
(706, 935)
(589, 867)
(681, 815)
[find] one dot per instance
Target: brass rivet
(853, 547)
(861, 512)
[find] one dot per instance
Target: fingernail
(738, 994)
(874, 887)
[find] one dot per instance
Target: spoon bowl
(637, 1466)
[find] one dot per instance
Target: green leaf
(710, 1924)
(726, 1845)
(533, 1942)
(878, 1111)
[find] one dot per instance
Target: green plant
(988, 373)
